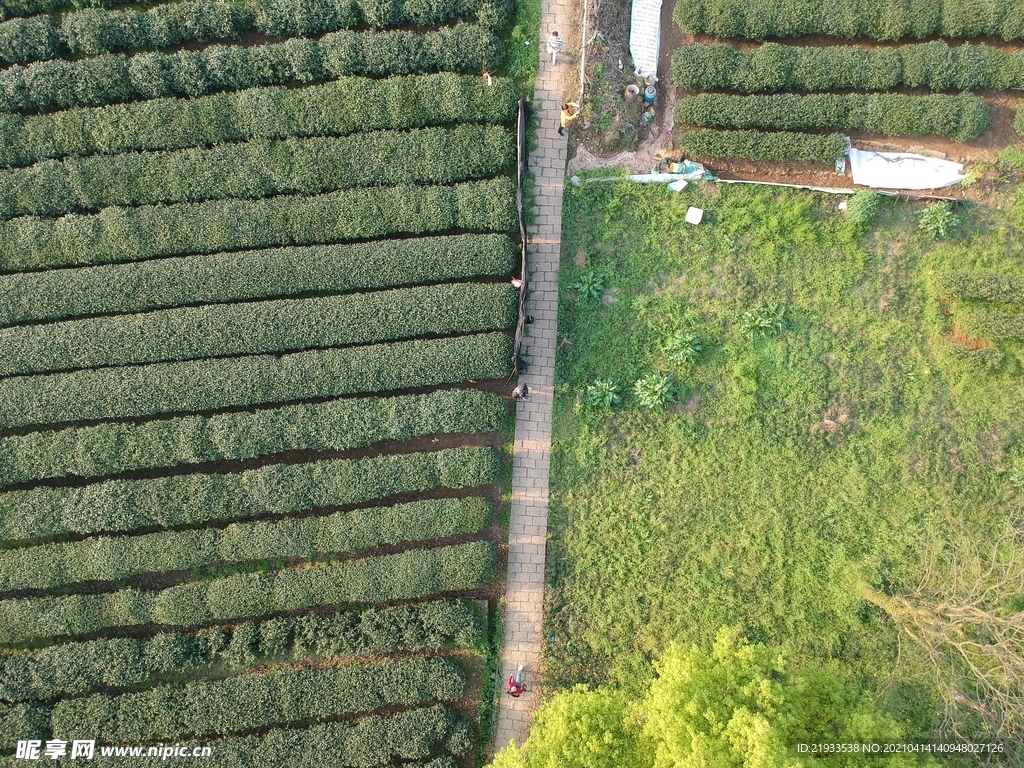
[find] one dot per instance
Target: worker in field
(570, 111)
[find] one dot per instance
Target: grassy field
(795, 469)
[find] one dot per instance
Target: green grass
(522, 59)
(795, 468)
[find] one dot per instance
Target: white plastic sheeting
(902, 170)
(645, 36)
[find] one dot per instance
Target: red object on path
(515, 688)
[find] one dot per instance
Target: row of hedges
(257, 169)
(1018, 120)
(116, 558)
(91, 32)
(128, 505)
(233, 705)
(892, 20)
(125, 662)
(205, 385)
(349, 105)
(994, 326)
(981, 286)
(414, 574)
(960, 118)
(116, 447)
(11, 8)
(754, 145)
(217, 330)
(130, 234)
(775, 67)
(117, 78)
(275, 272)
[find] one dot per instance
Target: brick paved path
(524, 598)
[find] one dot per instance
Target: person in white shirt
(555, 46)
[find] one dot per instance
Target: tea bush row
(129, 234)
(275, 272)
(116, 558)
(994, 326)
(111, 448)
(775, 67)
(128, 505)
(218, 330)
(349, 105)
(124, 662)
(255, 169)
(205, 385)
(960, 118)
(981, 286)
(758, 19)
(414, 574)
(94, 31)
(755, 145)
(11, 8)
(115, 78)
(234, 705)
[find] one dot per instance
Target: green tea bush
(127, 505)
(76, 668)
(114, 78)
(775, 67)
(243, 703)
(203, 385)
(986, 324)
(413, 574)
(112, 448)
(277, 272)
(13, 8)
(20, 721)
(116, 558)
(758, 19)
(961, 118)
(981, 286)
(120, 234)
(257, 169)
(349, 105)
(220, 330)
(987, 359)
(1018, 120)
(655, 392)
(755, 145)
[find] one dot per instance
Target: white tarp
(645, 36)
(902, 170)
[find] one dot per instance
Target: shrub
(603, 393)
(862, 208)
(754, 145)
(988, 359)
(981, 286)
(655, 391)
(1018, 120)
(127, 505)
(342, 424)
(763, 322)
(938, 220)
(986, 324)
(147, 285)
(682, 347)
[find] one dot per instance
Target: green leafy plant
(763, 322)
(862, 207)
(603, 393)
(758, 145)
(682, 347)
(938, 220)
(655, 391)
(1016, 477)
(589, 286)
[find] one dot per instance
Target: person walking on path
(570, 111)
(555, 47)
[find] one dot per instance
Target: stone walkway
(524, 597)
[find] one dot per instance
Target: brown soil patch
(959, 337)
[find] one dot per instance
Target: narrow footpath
(524, 598)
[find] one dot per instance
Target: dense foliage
(127, 505)
(981, 286)
(991, 325)
(218, 330)
(961, 118)
(117, 558)
(348, 105)
(775, 67)
(341, 424)
(146, 285)
(202, 385)
(413, 574)
(124, 662)
(125, 234)
(257, 169)
(242, 703)
(115, 78)
(755, 145)
(758, 19)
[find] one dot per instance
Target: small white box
(694, 215)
